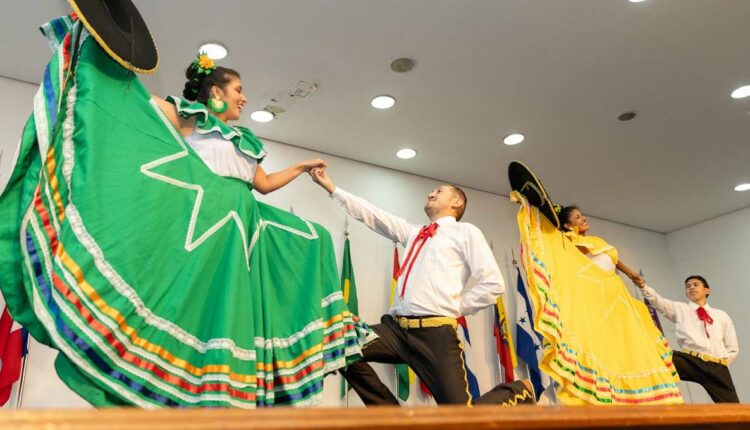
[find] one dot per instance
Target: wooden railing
(433, 418)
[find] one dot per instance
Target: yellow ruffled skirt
(600, 344)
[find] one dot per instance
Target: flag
(404, 375)
(652, 311)
(528, 342)
(504, 341)
(426, 391)
(348, 286)
(394, 276)
(349, 290)
(654, 315)
(466, 354)
(12, 349)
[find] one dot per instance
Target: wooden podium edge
(439, 418)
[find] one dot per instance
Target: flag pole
(495, 316)
(346, 383)
(553, 397)
(515, 266)
(22, 379)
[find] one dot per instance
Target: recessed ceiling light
(636, 1)
(626, 116)
(402, 65)
(406, 153)
(742, 187)
(262, 116)
(383, 102)
(214, 50)
(514, 139)
(741, 92)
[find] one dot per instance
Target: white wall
(13, 116)
(718, 250)
(398, 192)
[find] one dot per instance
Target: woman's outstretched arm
(266, 183)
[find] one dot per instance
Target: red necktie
(425, 233)
(705, 317)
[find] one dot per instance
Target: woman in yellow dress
(575, 226)
(599, 343)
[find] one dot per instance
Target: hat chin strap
(532, 186)
(118, 14)
(117, 17)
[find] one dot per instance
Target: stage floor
(433, 418)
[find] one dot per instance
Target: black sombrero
(119, 28)
(523, 180)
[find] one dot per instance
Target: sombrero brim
(120, 30)
(523, 180)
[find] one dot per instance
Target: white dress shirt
(442, 268)
(691, 334)
(222, 156)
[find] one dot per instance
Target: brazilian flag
(349, 289)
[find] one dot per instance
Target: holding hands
(638, 280)
(320, 176)
(314, 163)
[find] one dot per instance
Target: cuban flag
(12, 341)
(528, 344)
(463, 336)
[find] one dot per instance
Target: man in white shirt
(420, 327)
(706, 336)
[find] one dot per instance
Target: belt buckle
(403, 322)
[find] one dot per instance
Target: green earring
(217, 105)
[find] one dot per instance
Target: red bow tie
(425, 233)
(705, 317)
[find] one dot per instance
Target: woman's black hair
(564, 216)
(198, 85)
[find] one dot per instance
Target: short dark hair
(564, 216)
(198, 85)
(700, 278)
(460, 211)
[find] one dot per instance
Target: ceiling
(558, 71)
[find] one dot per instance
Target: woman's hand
(266, 183)
(308, 165)
(638, 280)
(630, 273)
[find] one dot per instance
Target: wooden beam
(390, 418)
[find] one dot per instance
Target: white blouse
(222, 156)
(604, 261)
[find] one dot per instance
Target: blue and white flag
(528, 342)
(463, 336)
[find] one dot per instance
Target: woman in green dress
(138, 251)
(218, 92)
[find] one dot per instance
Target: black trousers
(714, 377)
(435, 356)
